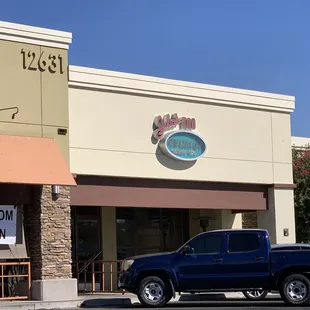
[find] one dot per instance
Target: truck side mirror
(186, 250)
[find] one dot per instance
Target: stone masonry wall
(48, 234)
(249, 220)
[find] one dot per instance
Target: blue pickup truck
(219, 261)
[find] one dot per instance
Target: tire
(154, 292)
(295, 290)
(255, 294)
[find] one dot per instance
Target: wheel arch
(303, 269)
(161, 273)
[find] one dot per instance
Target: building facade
(111, 164)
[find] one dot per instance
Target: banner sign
(8, 216)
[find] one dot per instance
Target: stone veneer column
(48, 237)
(249, 220)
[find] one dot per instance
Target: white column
(280, 215)
(194, 224)
(227, 220)
(109, 245)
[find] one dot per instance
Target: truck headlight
(126, 264)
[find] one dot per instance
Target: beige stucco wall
(40, 95)
(248, 137)
(110, 134)
(280, 216)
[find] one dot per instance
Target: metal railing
(15, 280)
(97, 276)
(87, 263)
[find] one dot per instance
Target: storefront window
(145, 230)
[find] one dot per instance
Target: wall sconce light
(55, 191)
(285, 232)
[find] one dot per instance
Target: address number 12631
(42, 61)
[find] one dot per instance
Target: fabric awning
(160, 193)
(33, 160)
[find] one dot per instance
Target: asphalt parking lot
(268, 303)
(222, 305)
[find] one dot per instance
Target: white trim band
(35, 35)
(82, 77)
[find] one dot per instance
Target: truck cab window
(243, 243)
(207, 245)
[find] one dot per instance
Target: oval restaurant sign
(182, 144)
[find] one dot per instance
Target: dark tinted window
(243, 242)
(305, 248)
(207, 245)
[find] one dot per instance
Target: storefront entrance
(86, 244)
(86, 233)
(138, 231)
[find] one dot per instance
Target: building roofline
(34, 35)
(91, 78)
(300, 142)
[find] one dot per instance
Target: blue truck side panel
(284, 261)
(260, 269)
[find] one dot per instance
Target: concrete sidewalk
(113, 300)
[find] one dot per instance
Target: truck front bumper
(125, 281)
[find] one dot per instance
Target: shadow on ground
(185, 301)
(219, 304)
(107, 303)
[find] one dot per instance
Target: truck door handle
(259, 258)
(217, 260)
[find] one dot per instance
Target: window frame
(244, 233)
(221, 236)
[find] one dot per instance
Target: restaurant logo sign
(181, 144)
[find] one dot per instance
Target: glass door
(88, 238)
(86, 244)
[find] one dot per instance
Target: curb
(40, 305)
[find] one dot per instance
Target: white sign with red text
(167, 122)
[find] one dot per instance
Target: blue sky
(259, 44)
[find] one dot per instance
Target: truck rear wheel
(153, 292)
(295, 290)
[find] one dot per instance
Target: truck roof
(235, 230)
(238, 230)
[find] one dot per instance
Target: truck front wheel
(295, 290)
(255, 295)
(153, 292)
